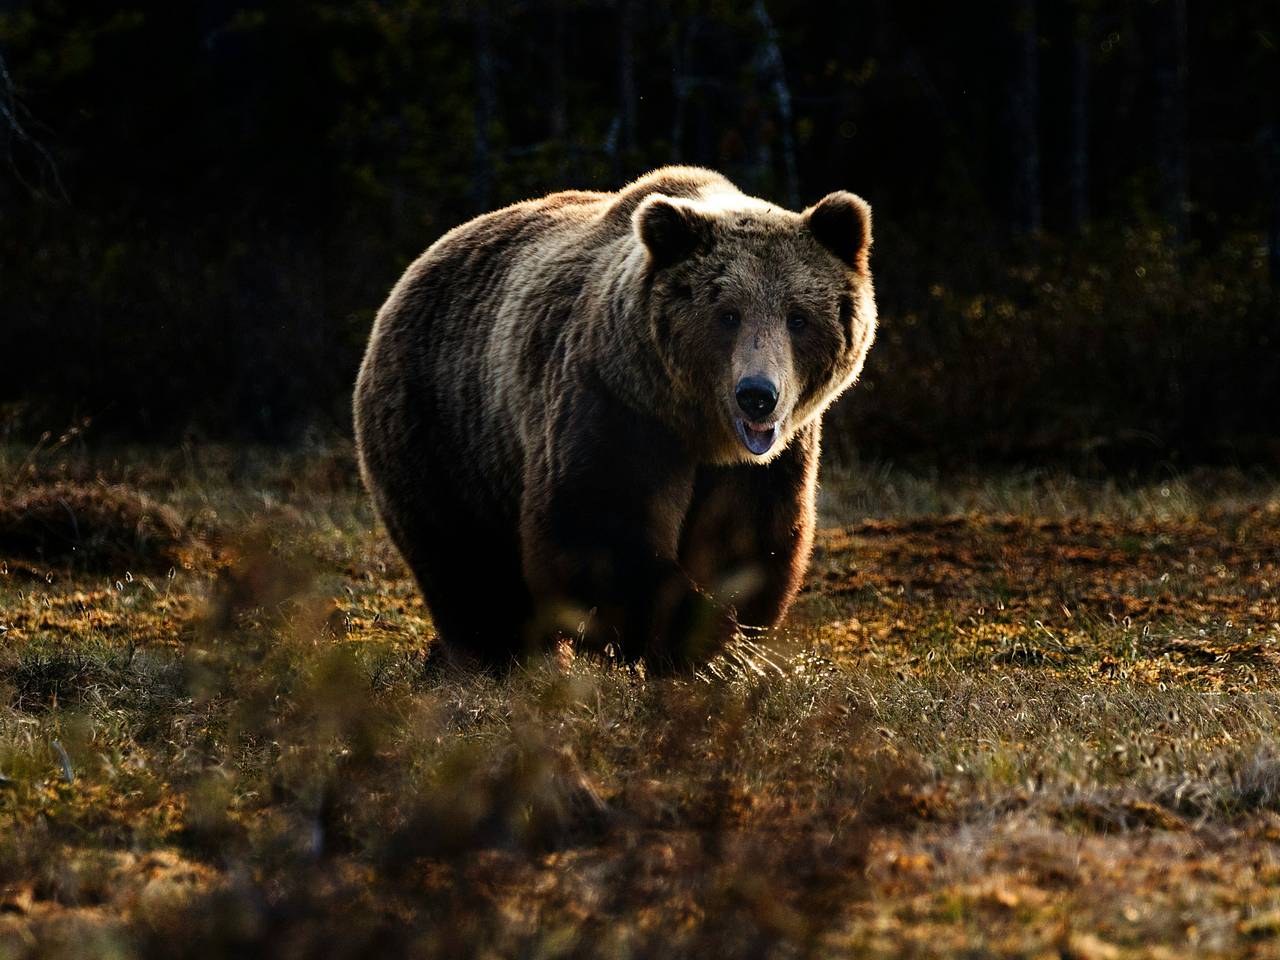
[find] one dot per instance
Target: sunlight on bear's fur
(599, 414)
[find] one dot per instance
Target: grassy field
(1012, 715)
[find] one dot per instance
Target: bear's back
(590, 217)
(687, 183)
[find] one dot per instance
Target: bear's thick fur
(598, 414)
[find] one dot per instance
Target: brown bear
(598, 414)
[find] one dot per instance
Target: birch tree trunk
(1079, 169)
(1024, 96)
(1269, 155)
(559, 119)
(486, 99)
(684, 36)
(1170, 79)
(775, 71)
(627, 74)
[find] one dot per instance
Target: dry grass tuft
(91, 527)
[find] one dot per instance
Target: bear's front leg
(749, 531)
(604, 498)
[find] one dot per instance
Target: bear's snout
(757, 396)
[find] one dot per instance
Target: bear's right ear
(670, 229)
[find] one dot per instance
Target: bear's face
(761, 316)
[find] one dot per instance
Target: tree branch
(14, 122)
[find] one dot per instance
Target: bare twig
(67, 770)
(14, 122)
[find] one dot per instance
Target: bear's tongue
(756, 440)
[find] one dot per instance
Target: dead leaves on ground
(1195, 602)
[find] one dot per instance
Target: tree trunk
(1079, 173)
(775, 71)
(1024, 96)
(1170, 78)
(486, 99)
(627, 74)
(1269, 155)
(683, 38)
(559, 119)
(895, 48)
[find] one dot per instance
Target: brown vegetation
(91, 526)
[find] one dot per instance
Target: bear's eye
(796, 321)
(730, 319)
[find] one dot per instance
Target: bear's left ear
(670, 229)
(841, 222)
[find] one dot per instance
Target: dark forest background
(1077, 204)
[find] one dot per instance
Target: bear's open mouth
(756, 439)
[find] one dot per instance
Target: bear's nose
(757, 397)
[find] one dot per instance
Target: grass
(1012, 715)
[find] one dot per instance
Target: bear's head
(761, 316)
